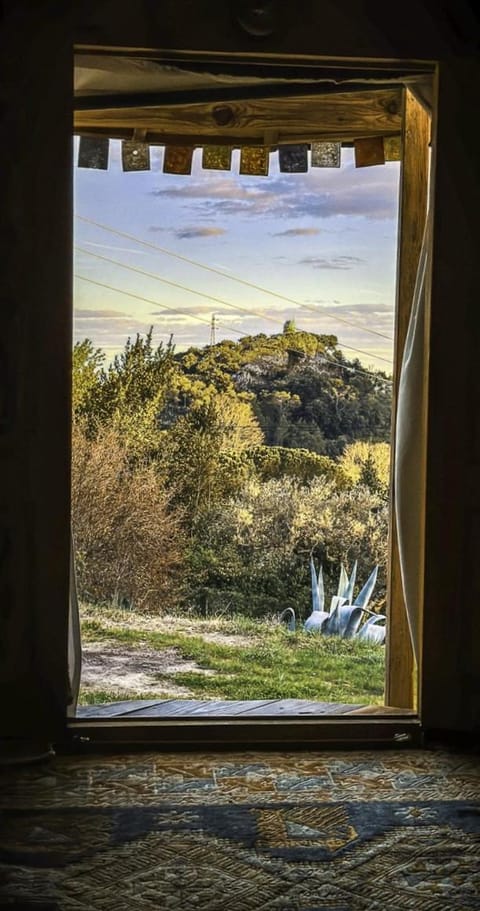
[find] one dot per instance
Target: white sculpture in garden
(344, 618)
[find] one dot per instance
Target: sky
(326, 240)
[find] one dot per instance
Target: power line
(366, 353)
(217, 300)
(341, 319)
(380, 379)
(235, 278)
(167, 281)
(148, 300)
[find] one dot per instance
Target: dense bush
(251, 553)
(128, 540)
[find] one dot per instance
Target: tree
(367, 464)
(275, 462)
(239, 426)
(276, 410)
(129, 394)
(357, 529)
(87, 363)
(197, 449)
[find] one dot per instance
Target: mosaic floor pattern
(243, 832)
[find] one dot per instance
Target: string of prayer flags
(326, 154)
(217, 158)
(369, 151)
(293, 159)
(392, 146)
(93, 152)
(254, 161)
(135, 156)
(178, 160)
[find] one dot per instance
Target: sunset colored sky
(326, 240)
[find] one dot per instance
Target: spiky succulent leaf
(343, 581)
(348, 592)
(371, 631)
(365, 594)
(316, 621)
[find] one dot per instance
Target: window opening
(267, 421)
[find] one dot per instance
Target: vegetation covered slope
(304, 393)
(220, 469)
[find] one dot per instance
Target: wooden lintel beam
(333, 117)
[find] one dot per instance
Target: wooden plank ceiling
(168, 105)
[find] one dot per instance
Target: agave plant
(344, 618)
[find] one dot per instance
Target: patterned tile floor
(341, 831)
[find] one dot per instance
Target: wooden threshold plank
(224, 707)
(207, 708)
(299, 707)
(114, 709)
(169, 708)
(380, 710)
(211, 708)
(244, 708)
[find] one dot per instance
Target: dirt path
(135, 669)
(140, 670)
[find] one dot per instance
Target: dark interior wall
(36, 227)
(36, 346)
(423, 30)
(451, 666)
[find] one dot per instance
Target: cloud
(101, 324)
(297, 232)
(372, 194)
(109, 329)
(334, 262)
(100, 314)
(328, 317)
(167, 316)
(226, 188)
(188, 233)
(110, 332)
(335, 306)
(199, 310)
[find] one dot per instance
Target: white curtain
(74, 641)
(410, 449)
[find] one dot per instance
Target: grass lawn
(237, 658)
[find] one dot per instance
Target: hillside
(304, 392)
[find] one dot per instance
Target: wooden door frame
(402, 113)
(36, 229)
(401, 684)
